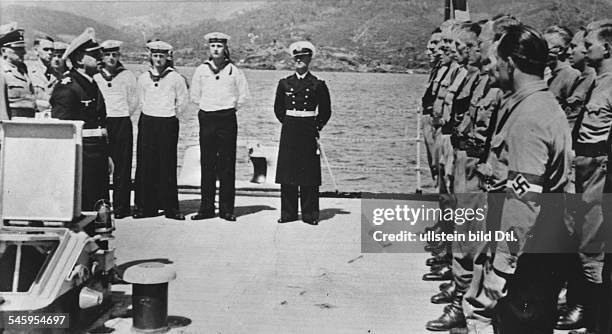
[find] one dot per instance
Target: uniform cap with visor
(217, 37)
(159, 47)
(111, 45)
(10, 36)
(302, 48)
(85, 42)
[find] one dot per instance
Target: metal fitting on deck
(150, 295)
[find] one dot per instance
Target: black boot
(432, 261)
(444, 297)
(443, 274)
(445, 286)
(451, 318)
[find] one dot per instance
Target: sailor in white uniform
(120, 90)
(219, 88)
(163, 94)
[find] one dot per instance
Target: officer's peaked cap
(302, 48)
(84, 42)
(10, 36)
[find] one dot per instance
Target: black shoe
(451, 318)
(137, 214)
(440, 275)
(445, 286)
(286, 220)
(122, 214)
(436, 260)
(200, 216)
(174, 215)
(572, 318)
(228, 216)
(313, 222)
(443, 297)
(439, 267)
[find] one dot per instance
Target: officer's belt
(301, 113)
(591, 149)
(99, 132)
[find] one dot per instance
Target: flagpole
(447, 10)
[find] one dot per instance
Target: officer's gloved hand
(494, 284)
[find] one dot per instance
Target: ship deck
(258, 276)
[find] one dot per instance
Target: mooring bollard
(150, 295)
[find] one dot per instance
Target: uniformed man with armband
(121, 95)
(303, 106)
(20, 91)
(532, 139)
(77, 97)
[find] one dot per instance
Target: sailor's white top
(122, 97)
(164, 98)
(224, 90)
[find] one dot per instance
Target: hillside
(361, 35)
(352, 35)
(61, 25)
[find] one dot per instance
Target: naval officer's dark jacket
(76, 98)
(298, 156)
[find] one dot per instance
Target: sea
(369, 141)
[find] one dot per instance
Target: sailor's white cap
(302, 48)
(111, 45)
(159, 47)
(84, 42)
(217, 37)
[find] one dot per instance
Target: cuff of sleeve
(504, 263)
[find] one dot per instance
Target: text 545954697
(29, 320)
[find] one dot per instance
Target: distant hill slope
(58, 24)
(351, 32)
(352, 35)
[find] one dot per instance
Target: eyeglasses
(111, 54)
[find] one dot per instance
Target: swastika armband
(521, 183)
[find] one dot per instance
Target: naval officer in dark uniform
(303, 106)
(77, 97)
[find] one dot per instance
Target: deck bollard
(150, 295)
